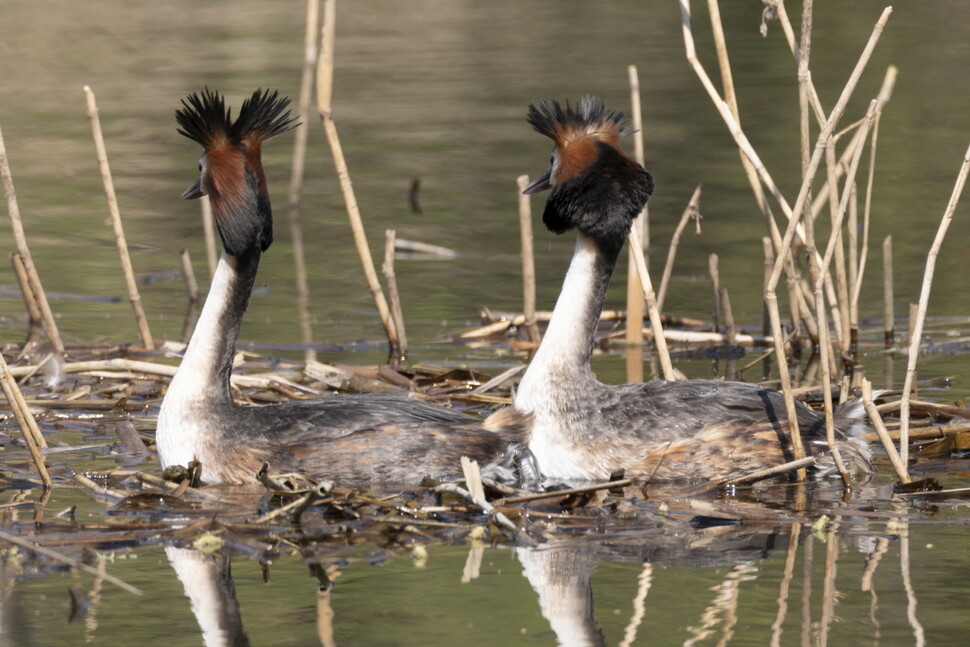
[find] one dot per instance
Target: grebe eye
(200, 167)
(552, 160)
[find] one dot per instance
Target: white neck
(201, 381)
(563, 356)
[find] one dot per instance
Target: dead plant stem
(924, 298)
(119, 230)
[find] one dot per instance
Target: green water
(438, 89)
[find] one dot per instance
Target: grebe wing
(337, 416)
(673, 410)
(396, 452)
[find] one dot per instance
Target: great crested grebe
(584, 429)
(363, 437)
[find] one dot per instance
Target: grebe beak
(542, 183)
(194, 191)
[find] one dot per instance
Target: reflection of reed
(784, 585)
(829, 593)
(872, 562)
(725, 603)
(908, 586)
(639, 606)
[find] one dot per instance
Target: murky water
(437, 90)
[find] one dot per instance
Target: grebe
(584, 429)
(363, 437)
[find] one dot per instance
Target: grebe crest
(230, 168)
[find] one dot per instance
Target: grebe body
(584, 429)
(363, 437)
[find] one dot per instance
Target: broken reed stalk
(401, 350)
(924, 298)
(296, 177)
(30, 301)
(209, 234)
(715, 272)
(634, 289)
(73, 563)
(20, 239)
(325, 108)
(653, 311)
(28, 425)
(691, 211)
(887, 442)
(889, 325)
(191, 285)
(529, 264)
(119, 230)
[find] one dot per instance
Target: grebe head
(230, 170)
(596, 187)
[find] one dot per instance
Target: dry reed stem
(655, 323)
(876, 421)
(852, 231)
(796, 212)
(28, 426)
(924, 298)
(714, 271)
(20, 239)
(840, 308)
(191, 285)
(401, 350)
(779, 7)
(727, 315)
(825, 348)
(325, 108)
(561, 494)
(209, 234)
(691, 211)
(109, 193)
(529, 264)
(73, 563)
(18, 403)
(634, 289)
(30, 301)
(889, 325)
(297, 174)
(745, 145)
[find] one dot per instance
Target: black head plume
(231, 170)
(596, 187)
